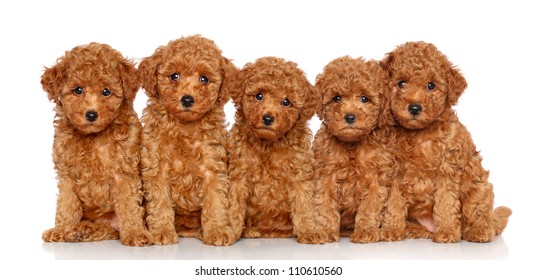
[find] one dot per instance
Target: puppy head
(186, 76)
(353, 97)
(90, 83)
(274, 95)
(423, 83)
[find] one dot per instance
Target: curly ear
(311, 102)
(233, 86)
(386, 62)
(229, 72)
(456, 85)
(385, 116)
(52, 80)
(148, 72)
(320, 82)
(129, 79)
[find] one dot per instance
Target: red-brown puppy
(442, 179)
(96, 147)
(271, 161)
(354, 152)
(184, 161)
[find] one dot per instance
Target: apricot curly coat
(354, 152)
(271, 162)
(96, 147)
(184, 161)
(442, 180)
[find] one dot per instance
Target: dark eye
(78, 90)
(286, 102)
(259, 96)
(401, 84)
(336, 98)
(174, 76)
(106, 92)
(431, 86)
(364, 99)
(204, 80)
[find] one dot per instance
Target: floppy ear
(386, 63)
(319, 85)
(456, 85)
(385, 118)
(233, 86)
(129, 79)
(311, 102)
(229, 72)
(52, 80)
(148, 72)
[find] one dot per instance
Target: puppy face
(423, 83)
(90, 83)
(273, 95)
(186, 76)
(353, 97)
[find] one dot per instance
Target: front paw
(414, 231)
(479, 234)
(392, 234)
(165, 237)
(220, 237)
(137, 238)
(365, 236)
(314, 238)
(443, 235)
(56, 234)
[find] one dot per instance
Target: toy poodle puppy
(445, 186)
(354, 152)
(271, 161)
(184, 161)
(96, 147)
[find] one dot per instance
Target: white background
(492, 42)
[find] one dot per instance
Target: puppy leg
(302, 215)
(326, 214)
(393, 224)
(215, 219)
(68, 211)
(239, 192)
(159, 207)
(130, 213)
(368, 217)
(160, 213)
(478, 224)
(446, 212)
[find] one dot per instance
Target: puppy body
(442, 179)
(184, 161)
(96, 147)
(354, 153)
(271, 161)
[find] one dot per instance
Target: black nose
(91, 116)
(187, 101)
(350, 118)
(414, 109)
(268, 119)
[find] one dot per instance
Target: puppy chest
(96, 196)
(269, 197)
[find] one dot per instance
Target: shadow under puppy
(96, 147)
(271, 161)
(184, 161)
(442, 180)
(354, 152)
